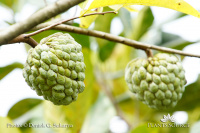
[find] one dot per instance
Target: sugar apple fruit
(55, 69)
(157, 81)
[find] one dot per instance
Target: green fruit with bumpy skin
(157, 81)
(55, 69)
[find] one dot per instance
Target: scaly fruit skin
(55, 69)
(157, 81)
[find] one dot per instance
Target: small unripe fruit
(55, 68)
(157, 81)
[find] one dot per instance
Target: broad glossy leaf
(179, 5)
(7, 69)
(22, 107)
(142, 23)
(116, 7)
(5, 123)
(130, 8)
(87, 21)
(126, 6)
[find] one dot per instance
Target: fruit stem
(149, 52)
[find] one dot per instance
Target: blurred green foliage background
(105, 63)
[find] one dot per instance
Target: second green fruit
(157, 81)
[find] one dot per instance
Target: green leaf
(190, 97)
(143, 22)
(95, 122)
(7, 69)
(22, 107)
(143, 128)
(5, 123)
(178, 5)
(87, 21)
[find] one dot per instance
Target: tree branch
(114, 38)
(23, 38)
(63, 21)
(35, 19)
